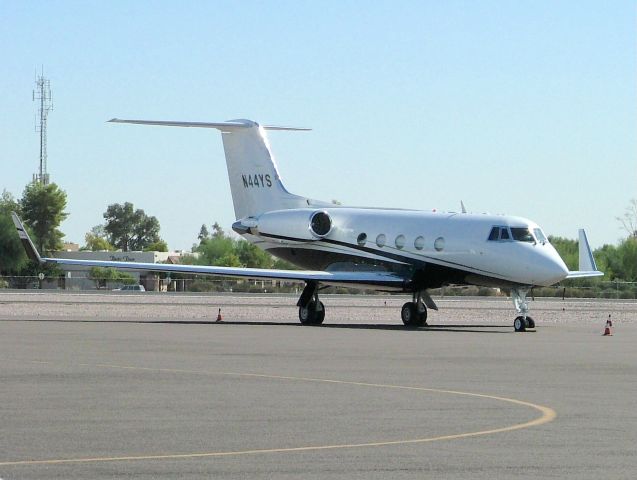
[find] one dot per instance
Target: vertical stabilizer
(255, 181)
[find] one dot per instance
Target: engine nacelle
(295, 224)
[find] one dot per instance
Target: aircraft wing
(372, 279)
(587, 265)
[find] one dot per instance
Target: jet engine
(295, 224)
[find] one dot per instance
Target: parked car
(130, 288)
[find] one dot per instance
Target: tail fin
(255, 182)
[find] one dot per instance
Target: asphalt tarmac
(148, 386)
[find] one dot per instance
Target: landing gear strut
(522, 321)
(414, 314)
(311, 309)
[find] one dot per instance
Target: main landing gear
(414, 314)
(311, 309)
(522, 321)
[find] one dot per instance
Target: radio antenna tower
(42, 94)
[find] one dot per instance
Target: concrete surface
(147, 386)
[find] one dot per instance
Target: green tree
(9, 204)
(222, 250)
(12, 256)
(252, 256)
(608, 261)
(217, 231)
(130, 229)
(204, 234)
(96, 240)
(101, 276)
(627, 251)
(230, 260)
(43, 209)
(217, 251)
(158, 246)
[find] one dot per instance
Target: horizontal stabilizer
(223, 126)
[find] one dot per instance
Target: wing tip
(28, 245)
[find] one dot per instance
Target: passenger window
(362, 239)
(419, 243)
(504, 233)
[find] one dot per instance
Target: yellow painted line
(547, 415)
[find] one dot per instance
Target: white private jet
(372, 248)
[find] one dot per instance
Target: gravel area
(376, 309)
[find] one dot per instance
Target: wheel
(519, 324)
(411, 316)
(313, 314)
(530, 323)
(408, 313)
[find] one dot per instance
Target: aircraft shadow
(346, 326)
(357, 326)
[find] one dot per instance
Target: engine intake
(320, 224)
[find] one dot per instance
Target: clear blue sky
(527, 108)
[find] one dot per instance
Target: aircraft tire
(411, 317)
(519, 324)
(311, 315)
(530, 323)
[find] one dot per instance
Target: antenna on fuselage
(462, 207)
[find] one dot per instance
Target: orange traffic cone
(607, 330)
(219, 318)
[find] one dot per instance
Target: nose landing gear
(522, 321)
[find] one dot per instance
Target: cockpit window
(519, 234)
(539, 234)
(522, 235)
(499, 233)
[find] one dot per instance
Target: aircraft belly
(424, 272)
(322, 259)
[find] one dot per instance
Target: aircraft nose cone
(553, 269)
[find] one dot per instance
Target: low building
(71, 247)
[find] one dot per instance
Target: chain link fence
(600, 289)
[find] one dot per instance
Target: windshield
(522, 234)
